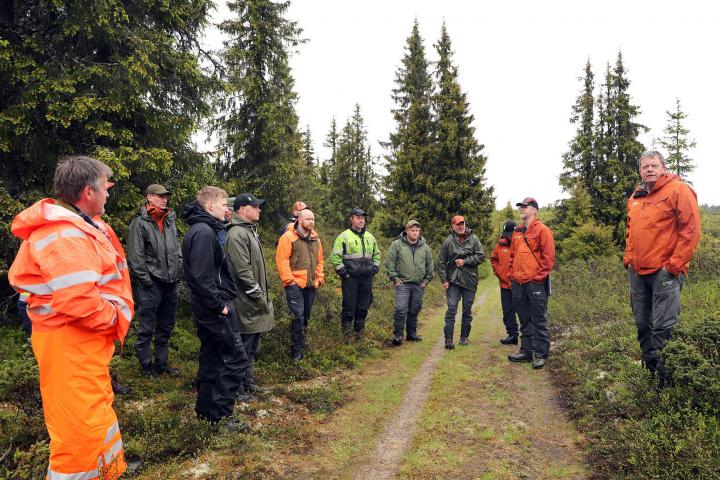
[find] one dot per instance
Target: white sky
(518, 63)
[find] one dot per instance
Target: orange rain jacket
(532, 264)
(663, 227)
(80, 302)
(300, 260)
(500, 261)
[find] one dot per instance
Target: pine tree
(677, 144)
(411, 145)
(260, 146)
(353, 180)
(458, 175)
(580, 160)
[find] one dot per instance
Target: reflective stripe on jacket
(663, 227)
(356, 253)
(532, 260)
(300, 260)
(500, 261)
(80, 302)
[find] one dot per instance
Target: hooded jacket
(80, 301)
(300, 259)
(500, 261)
(253, 306)
(409, 263)
(532, 254)
(663, 227)
(207, 268)
(154, 255)
(471, 250)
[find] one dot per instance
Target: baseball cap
(412, 223)
(458, 219)
(297, 206)
(358, 212)
(157, 189)
(527, 201)
(508, 228)
(245, 199)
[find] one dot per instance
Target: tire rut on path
(385, 459)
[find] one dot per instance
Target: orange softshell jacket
(500, 261)
(300, 260)
(663, 227)
(80, 302)
(533, 260)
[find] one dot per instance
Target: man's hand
(459, 262)
(225, 311)
(423, 285)
(446, 285)
(398, 282)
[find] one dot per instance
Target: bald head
(306, 219)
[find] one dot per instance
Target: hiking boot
(521, 357)
(235, 426)
(167, 370)
(119, 389)
(257, 389)
(449, 345)
(538, 363)
(147, 371)
(464, 342)
(510, 340)
(244, 397)
(297, 356)
(397, 341)
(414, 338)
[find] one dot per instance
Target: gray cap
(157, 189)
(412, 223)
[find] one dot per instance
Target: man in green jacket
(460, 255)
(155, 261)
(356, 258)
(409, 267)
(253, 306)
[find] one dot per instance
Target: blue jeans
(453, 294)
(408, 303)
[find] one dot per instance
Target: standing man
(210, 277)
(500, 260)
(300, 263)
(356, 258)
(296, 209)
(409, 267)
(532, 257)
(460, 255)
(253, 305)
(662, 232)
(80, 301)
(155, 263)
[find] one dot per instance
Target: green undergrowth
(157, 417)
(637, 431)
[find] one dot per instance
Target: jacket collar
(665, 178)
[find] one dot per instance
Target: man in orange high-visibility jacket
(80, 301)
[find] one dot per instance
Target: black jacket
(207, 269)
(152, 255)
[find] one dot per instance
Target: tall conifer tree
(458, 174)
(260, 144)
(412, 143)
(676, 142)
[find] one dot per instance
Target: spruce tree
(411, 145)
(260, 146)
(308, 149)
(353, 180)
(331, 141)
(579, 161)
(676, 142)
(457, 176)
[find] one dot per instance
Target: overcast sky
(519, 64)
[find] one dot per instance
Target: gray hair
(74, 173)
(652, 154)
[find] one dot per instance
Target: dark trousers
(509, 316)
(408, 303)
(22, 313)
(655, 301)
(357, 297)
(530, 301)
(454, 294)
(156, 310)
(222, 362)
(300, 302)
(251, 342)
